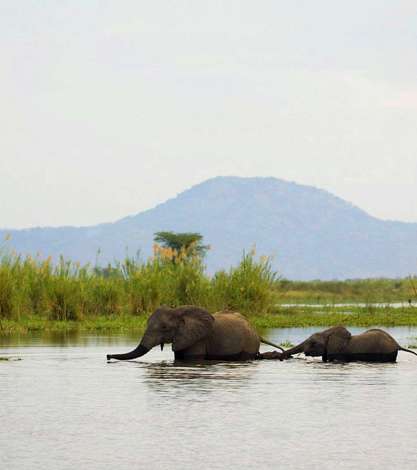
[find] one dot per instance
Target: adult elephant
(337, 343)
(196, 334)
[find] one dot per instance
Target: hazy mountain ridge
(310, 232)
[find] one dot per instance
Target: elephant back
(373, 341)
(232, 334)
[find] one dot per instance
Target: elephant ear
(194, 324)
(337, 340)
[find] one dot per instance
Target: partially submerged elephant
(337, 343)
(196, 334)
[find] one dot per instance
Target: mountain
(310, 233)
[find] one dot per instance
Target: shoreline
(293, 317)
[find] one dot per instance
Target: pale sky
(110, 107)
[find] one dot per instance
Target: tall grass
(246, 288)
(66, 291)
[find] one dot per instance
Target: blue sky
(108, 108)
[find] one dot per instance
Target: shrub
(247, 288)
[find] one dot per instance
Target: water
(64, 407)
(394, 305)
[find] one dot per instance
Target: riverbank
(376, 290)
(331, 316)
(108, 324)
(282, 318)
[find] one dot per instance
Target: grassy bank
(331, 316)
(283, 318)
(378, 290)
(99, 324)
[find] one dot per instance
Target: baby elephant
(338, 344)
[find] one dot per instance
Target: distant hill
(311, 233)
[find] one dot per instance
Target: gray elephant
(196, 334)
(338, 344)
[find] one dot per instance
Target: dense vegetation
(68, 291)
(37, 294)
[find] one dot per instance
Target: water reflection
(402, 334)
(67, 339)
(204, 376)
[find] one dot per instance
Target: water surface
(395, 305)
(64, 407)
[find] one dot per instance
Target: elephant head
(334, 340)
(182, 326)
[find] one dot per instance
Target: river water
(390, 305)
(63, 407)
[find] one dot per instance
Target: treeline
(68, 291)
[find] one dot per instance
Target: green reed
(33, 288)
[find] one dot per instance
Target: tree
(189, 243)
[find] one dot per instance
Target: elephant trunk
(137, 352)
(295, 350)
